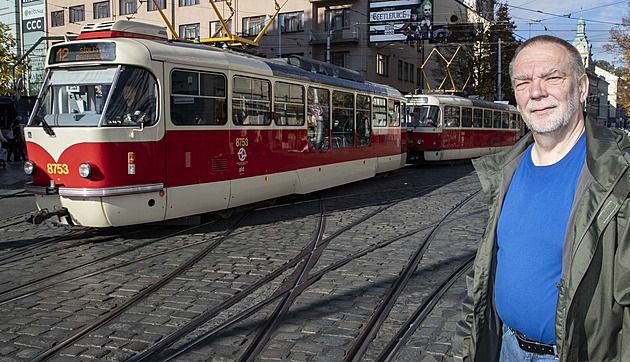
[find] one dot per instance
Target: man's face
(426, 10)
(547, 93)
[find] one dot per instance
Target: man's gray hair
(575, 59)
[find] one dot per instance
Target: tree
(502, 28)
(7, 61)
(620, 47)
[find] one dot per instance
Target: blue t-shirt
(530, 236)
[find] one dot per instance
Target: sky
(559, 18)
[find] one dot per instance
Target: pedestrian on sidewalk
(16, 141)
(552, 272)
(4, 144)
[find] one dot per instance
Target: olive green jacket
(593, 309)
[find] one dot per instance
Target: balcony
(347, 35)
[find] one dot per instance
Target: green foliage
(7, 59)
(488, 57)
(608, 67)
(620, 46)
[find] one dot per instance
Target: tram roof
(202, 55)
(462, 101)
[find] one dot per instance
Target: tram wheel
(226, 214)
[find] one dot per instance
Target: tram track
(409, 327)
(283, 296)
(361, 344)
(299, 274)
(289, 290)
(139, 296)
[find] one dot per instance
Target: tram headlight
(29, 167)
(85, 170)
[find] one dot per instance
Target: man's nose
(537, 89)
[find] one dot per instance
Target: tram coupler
(44, 214)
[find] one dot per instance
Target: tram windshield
(423, 116)
(97, 97)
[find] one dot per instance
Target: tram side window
(487, 119)
(134, 100)
(505, 120)
(467, 117)
(380, 112)
(364, 120)
(393, 113)
(251, 102)
(477, 118)
(496, 119)
(198, 98)
(513, 121)
(318, 116)
(343, 120)
(289, 104)
(451, 116)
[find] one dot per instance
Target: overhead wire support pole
(231, 38)
(168, 23)
(448, 70)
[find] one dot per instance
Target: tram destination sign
(82, 52)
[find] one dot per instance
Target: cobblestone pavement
(321, 325)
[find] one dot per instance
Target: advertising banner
(401, 20)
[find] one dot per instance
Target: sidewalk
(12, 177)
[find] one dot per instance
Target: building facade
(597, 102)
(342, 32)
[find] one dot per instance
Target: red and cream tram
(132, 128)
(446, 127)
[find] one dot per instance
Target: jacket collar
(602, 158)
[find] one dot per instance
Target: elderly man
(552, 273)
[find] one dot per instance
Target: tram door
(196, 142)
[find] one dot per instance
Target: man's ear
(583, 84)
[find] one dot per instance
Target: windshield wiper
(49, 131)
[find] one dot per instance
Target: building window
(405, 71)
(253, 26)
(76, 14)
(292, 22)
(382, 64)
(101, 10)
(338, 18)
(161, 4)
(56, 18)
(127, 7)
(400, 69)
(217, 30)
(189, 31)
(341, 59)
(188, 2)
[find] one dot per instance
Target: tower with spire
(581, 43)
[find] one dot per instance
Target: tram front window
(81, 98)
(423, 116)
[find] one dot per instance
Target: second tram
(447, 127)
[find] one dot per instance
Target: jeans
(511, 352)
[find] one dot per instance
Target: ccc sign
(31, 25)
